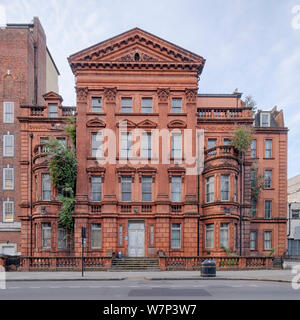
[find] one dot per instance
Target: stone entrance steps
(135, 264)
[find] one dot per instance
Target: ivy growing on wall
(63, 172)
(256, 185)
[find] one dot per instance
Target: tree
(250, 103)
(241, 141)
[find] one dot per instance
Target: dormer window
(265, 120)
(53, 110)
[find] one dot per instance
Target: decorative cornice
(176, 171)
(96, 171)
(125, 171)
(147, 171)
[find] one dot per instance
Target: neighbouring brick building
(27, 71)
(142, 207)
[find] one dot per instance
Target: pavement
(257, 275)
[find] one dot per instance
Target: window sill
(135, 114)
(95, 114)
(269, 158)
(177, 114)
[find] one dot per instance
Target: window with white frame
(295, 213)
(210, 189)
(253, 148)
(97, 104)
(44, 141)
(96, 188)
(96, 237)
(252, 240)
(46, 235)
(227, 142)
(52, 110)
(8, 178)
(151, 236)
(212, 143)
(61, 237)
(224, 187)
(146, 188)
(146, 105)
(176, 105)
(265, 119)
(209, 236)
(268, 240)
(8, 211)
(46, 187)
(268, 148)
(8, 112)
(120, 235)
(253, 174)
(268, 209)
(126, 145)
(96, 144)
(268, 179)
(176, 189)
(175, 235)
(176, 145)
(8, 145)
(146, 150)
(126, 105)
(126, 182)
(224, 235)
(253, 208)
(235, 188)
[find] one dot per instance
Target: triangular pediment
(137, 46)
(147, 124)
(126, 124)
(52, 96)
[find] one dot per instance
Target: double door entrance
(136, 239)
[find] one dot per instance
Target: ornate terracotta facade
(142, 209)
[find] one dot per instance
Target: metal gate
(293, 247)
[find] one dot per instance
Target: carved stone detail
(130, 57)
(191, 95)
(110, 94)
(163, 94)
(82, 94)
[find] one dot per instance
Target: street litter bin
(208, 268)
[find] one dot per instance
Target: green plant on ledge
(228, 252)
(271, 253)
(63, 172)
(241, 141)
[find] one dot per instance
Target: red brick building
(141, 207)
(27, 71)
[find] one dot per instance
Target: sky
(250, 45)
